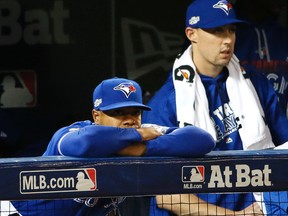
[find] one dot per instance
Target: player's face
(129, 117)
(212, 48)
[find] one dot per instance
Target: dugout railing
(217, 172)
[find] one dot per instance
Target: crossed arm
(103, 141)
(188, 141)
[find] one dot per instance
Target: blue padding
(229, 171)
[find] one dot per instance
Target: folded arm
(188, 141)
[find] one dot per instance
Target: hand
(148, 133)
(139, 149)
(159, 128)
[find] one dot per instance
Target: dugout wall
(220, 172)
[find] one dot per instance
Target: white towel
(192, 104)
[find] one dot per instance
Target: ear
(191, 34)
(96, 116)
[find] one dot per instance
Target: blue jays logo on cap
(127, 88)
(118, 93)
(223, 5)
(210, 14)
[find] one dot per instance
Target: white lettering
(244, 176)
(37, 32)
(216, 176)
(243, 179)
(27, 182)
(192, 186)
(60, 183)
(42, 182)
(58, 15)
(10, 29)
(40, 26)
(35, 186)
(53, 183)
(256, 177)
(266, 172)
(227, 174)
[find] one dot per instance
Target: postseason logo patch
(63, 180)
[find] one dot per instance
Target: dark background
(71, 46)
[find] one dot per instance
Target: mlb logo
(192, 174)
(86, 180)
(18, 89)
(60, 180)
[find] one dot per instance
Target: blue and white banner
(231, 171)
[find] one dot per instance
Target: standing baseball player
(115, 131)
(208, 88)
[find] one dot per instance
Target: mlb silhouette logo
(86, 180)
(192, 174)
(18, 89)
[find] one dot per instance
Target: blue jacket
(85, 139)
(164, 113)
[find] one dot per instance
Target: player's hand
(139, 149)
(148, 133)
(159, 128)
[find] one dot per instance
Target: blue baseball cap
(117, 93)
(210, 14)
